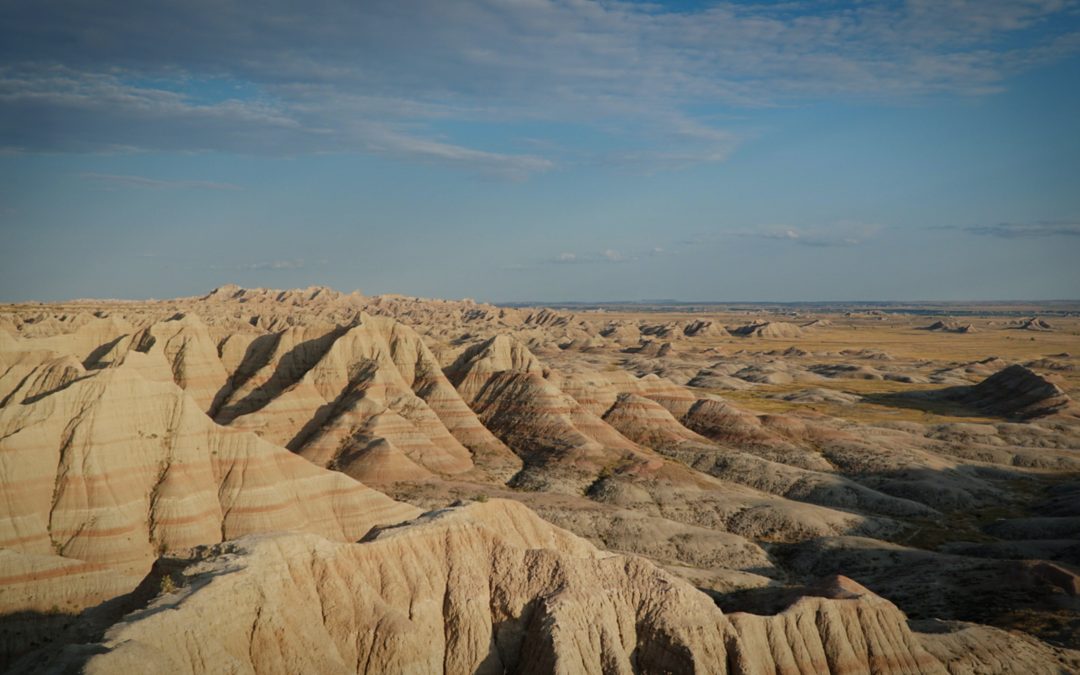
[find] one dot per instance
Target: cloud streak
(113, 180)
(88, 112)
(836, 235)
(609, 255)
(262, 266)
(276, 265)
(1036, 230)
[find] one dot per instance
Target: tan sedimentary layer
(491, 589)
(114, 469)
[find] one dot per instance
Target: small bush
(167, 584)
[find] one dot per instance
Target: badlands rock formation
(491, 589)
(768, 329)
(700, 328)
(1016, 391)
(951, 327)
(112, 469)
(1035, 323)
(200, 484)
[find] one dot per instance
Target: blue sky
(542, 150)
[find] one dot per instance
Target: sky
(542, 150)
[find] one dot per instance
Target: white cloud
(124, 116)
(386, 76)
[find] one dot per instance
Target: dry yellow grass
(902, 337)
(867, 411)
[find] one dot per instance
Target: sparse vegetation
(167, 585)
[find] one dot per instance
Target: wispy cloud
(1026, 230)
(386, 141)
(609, 255)
(276, 265)
(837, 234)
(393, 77)
(263, 266)
(113, 180)
(781, 233)
(105, 112)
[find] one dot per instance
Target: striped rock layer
(112, 470)
(491, 588)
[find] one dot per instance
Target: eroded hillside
(693, 483)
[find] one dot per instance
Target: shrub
(167, 584)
